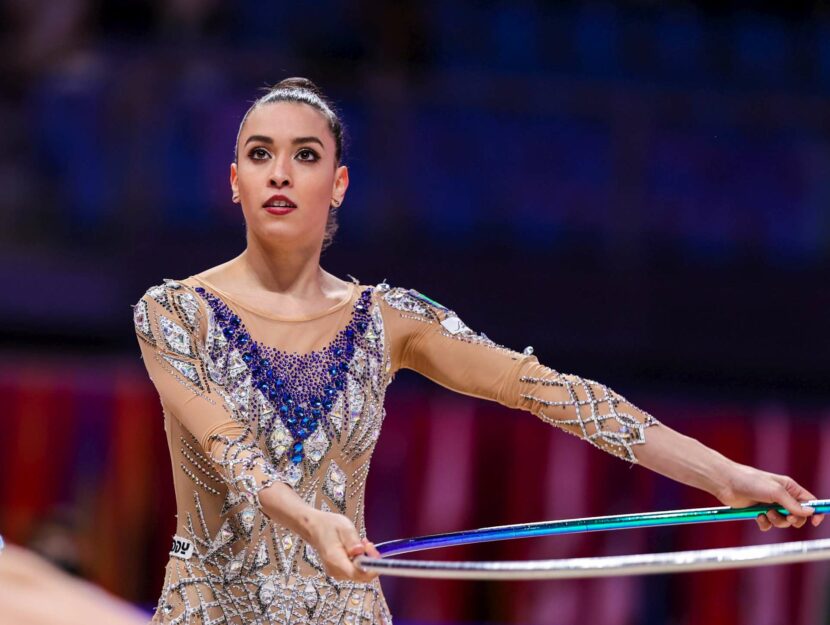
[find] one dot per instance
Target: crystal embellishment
(185, 368)
(310, 556)
(293, 475)
(279, 441)
(159, 293)
(261, 559)
(246, 519)
(141, 319)
(592, 415)
(234, 567)
(175, 336)
(335, 485)
(222, 538)
(301, 389)
(249, 567)
(454, 325)
(310, 595)
(190, 308)
(316, 446)
(267, 592)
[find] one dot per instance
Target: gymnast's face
(287, 148)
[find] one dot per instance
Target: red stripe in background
(805, 447)
(444, 500)
(812, 597)
(35, 456)
(768, 586)
(128, 490)
(727, 430)
(564, 486)
(394, 486)
(10, 397)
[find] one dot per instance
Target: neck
(290, 271)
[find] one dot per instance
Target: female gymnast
(272, 371)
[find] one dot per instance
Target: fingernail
(809, 508)
(791, 518)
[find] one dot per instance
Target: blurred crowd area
(640, 190)
(670, 157)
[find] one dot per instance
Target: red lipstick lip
(280, 210)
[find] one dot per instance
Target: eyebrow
(295, 141)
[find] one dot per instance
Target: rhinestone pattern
(311, 421)
(589, 409)
(418, 306)
(247, 569)
(603, 417)
(300, 388)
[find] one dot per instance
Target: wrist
(282, 504)
(687, 460)
(710, 471)
(730, 475)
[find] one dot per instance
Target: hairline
(326, 111)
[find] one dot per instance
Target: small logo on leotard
(182, 548)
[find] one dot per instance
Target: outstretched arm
(432, 340)
(689, 461)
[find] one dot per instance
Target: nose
(279, 176)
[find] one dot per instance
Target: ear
(341, 183)
(234, 181)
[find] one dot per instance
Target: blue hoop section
(680, 561)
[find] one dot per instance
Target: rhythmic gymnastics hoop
(605, 566)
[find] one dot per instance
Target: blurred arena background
(639, 190)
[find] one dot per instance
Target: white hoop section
(606, 566)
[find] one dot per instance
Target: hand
(35, 592)
(337, 543)
(747, 486)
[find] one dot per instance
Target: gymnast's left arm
(431, 339)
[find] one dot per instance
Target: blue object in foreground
(708, 559)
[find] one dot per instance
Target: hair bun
(298, 82)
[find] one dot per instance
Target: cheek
(315, 190)
(250, 178)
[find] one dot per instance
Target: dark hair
(304, 91)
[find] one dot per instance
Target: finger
(356, 573)
(338, 562)
(796, 521)
(817, 519)
(789, 495)
(763, 522)
(371, 550)
(340, 567)
(362, 575)
(351, 541)
(776, 519)
(355, 550)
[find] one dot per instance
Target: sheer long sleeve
(171, 323)
(431, 339)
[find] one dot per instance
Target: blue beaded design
(300, 387)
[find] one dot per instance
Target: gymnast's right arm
(171, 325)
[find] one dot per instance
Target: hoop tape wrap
(636, 564)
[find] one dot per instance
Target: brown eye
(311, 155)
(258, 154)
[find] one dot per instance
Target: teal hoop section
(730, 557)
